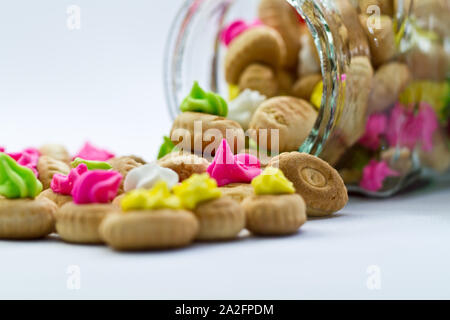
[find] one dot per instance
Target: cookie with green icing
(204, 102)
(17, 181)
(92, 165)
(167, 147)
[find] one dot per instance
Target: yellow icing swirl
(197, 189)
(159, 197)
(272, 181)
(233, 92)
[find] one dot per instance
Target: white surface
(58, 85)
(406, 237)
(102, 82)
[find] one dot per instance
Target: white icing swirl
(146, 176)
(244, 106)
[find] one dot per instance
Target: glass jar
(383, 116)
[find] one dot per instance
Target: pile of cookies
(96, 197)
(395, 80)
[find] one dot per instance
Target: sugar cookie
(184, 164)
(286, 81)
(202, 133)
(381, 38)
(259, 78)
(23, 219)
(80, 223)
(281, 16)
(58, 199)
(56, 151)
(48, 167)
(274, 214)
(357, 41)
(138, 159)
(316, 181)
(237, 191)
(293, 118)
(152, 229)
(219, 219)
(304, 86)
(257, 45)
(123, 165)
(389, 82)
(386, 6)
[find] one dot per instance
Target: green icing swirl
(167, 147)
(205, 102)
(92, 165)
(17, 181)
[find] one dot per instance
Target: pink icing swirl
(90, 152)
(28, 158)
(64, 184)
(228, 168)
(374, 175)
(2, 149)
(376, 127)
(407, 127)
(235, 29)
(97, 186)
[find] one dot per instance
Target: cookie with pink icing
(62, 184)
(96, 186)
(228, 168)
(91, 152)
(235, 28)
(28, 158)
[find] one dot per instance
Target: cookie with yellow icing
(219, 218)
(149, 229)
(150, 219)
(275, 209)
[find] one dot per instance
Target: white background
(104, 83)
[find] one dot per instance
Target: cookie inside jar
(338, 80)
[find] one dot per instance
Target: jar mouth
(330, 52)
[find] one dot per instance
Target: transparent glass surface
(384, 113)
